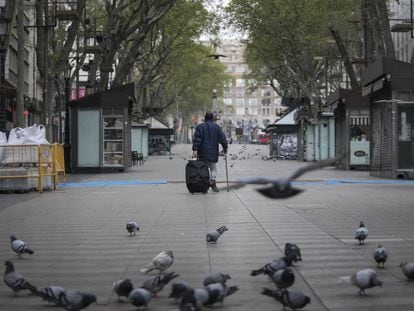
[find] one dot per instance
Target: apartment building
(401, 28)
(32, 88)
(247, 106)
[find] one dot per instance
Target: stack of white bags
(13, 149)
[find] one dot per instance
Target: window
(240, 101)
(253, 102)
(252, 82)
(253, 111)
(278, 110)
(278, 101)
(240, 82)
(265, 109)
(252, 92)
(240, 92)
(240, 111)
(227, 101)
(227, 91)
(266, 101)
(266, 92)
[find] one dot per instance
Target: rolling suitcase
(197, 176)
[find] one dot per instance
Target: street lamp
(4, 33)
(67, 145)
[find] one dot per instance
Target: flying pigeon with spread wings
(216, 56)
(281, 188)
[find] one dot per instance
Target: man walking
(206, 141)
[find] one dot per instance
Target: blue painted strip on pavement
(356, 181)
(111, 183)
(258, 181)
(322, 182)
(379, 182)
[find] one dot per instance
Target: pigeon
(74, 300)
(161, 262)
(194, 299)
(363, 279)
(216, 277)
(140, 297)
(132, 227)
(294, 251)
(380, 256)
(157, 283)
(216, 56)
(189, 301)
(212, 236)
(202, 296)
(217, 292)
(20, 247)
(361, 233)
(281, 188)
(178, 289)
(122, 288)
(15, 280)
(283, 278)
(408, 270)
(51, 293)
(271, 267)
(288, 298)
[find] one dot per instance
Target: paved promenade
(80, 242)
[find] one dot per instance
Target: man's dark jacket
(206, 141)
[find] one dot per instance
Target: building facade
(32, 88)
(246, 106)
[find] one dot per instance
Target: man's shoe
(213, 186)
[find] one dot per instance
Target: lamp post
(4, 33)
(67, 145)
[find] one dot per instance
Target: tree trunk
(383, 19)
(369, 47)
(345, 57)
(379, 22)
(105, 68)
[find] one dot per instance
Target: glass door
(113, 138)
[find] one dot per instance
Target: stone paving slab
(80, 239)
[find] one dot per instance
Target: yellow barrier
(59, 159)
(28, 167)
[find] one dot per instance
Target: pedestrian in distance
(207, 137)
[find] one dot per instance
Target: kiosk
(101, 131)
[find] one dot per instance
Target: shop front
(389, 86)
(352, 129)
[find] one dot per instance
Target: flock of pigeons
(215, 288)
(243, 154)
(279, 272)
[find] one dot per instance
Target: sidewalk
(79, 237)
